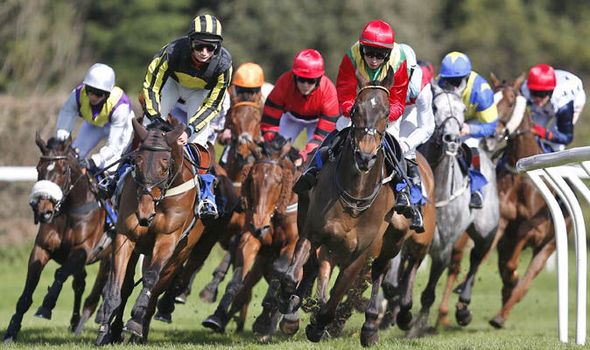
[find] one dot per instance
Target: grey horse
(452, 193)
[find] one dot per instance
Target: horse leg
(316, 330)
(78, 284)
(390, 286)
(453, 273)
(249, 247)
(209, 293)
(438, 265)
(164, 248)
(244, 296)
(111, 293)
(37, 261)
(74, 260)
(404, 317)
(536, 265)
(116, 331)
(354, 300)
(288, 300)
(481, 248)
(370, 331)
(93, 298)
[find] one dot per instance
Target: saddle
(200, 157)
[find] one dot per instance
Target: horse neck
(355, 182)
(524, 144)
(80, 192)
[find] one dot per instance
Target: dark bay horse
(243, 119)
(71, 225)
(268, 241)
(525, 217)
(350, 213)
(454, 217)
(157, 219)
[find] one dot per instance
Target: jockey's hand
(539, 131)
(465, 129)
(224, 136)
(88, 164)
(182, 139)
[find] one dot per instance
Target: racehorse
(72, 223)
(525, 219)
(243, 120)
(350, 213)
(511, 109)
(454, 216)
(268, 241)
(157, 219)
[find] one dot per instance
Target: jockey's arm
(66, 120)
(274, 107)
(425, 121)
(562, 131)
(212, 104)
(398, 93)
(157, 73)
(118, 138)
(346, 85)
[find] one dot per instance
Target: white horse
(452, 193)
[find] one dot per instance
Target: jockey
(413, 129)
(106, 112)
(427, 71)
(481, 115)
(248, 80)
(302, 98)
(555, 99)
(198, 69)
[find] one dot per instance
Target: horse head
(56, 168)
(449, 115)
(157, 162)
(369, 117)
(266, 189)
(244, 122)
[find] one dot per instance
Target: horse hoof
(315, 334)
(180, 299)
(369, 335)
(9, 338)
(104, 336)
(291, 305)
(163, 317)
(387, 321)
(336, 327)
(459, 289)
(134, 327)
(74, 323)
(497, 322)
(463, 316)
(43, 312)
(289, 326)
(214, 323)
(404, 320)
(208, 295)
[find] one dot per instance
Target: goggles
(303, 80)
(96, 92)
(199, 46)
(373, 52)
(541, 93)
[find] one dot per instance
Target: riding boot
(207, 207)
(326, 150)
(417, 223)
(476, 201)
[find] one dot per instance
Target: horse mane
(54, 143)
(269, 148)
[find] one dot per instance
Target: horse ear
(39, 141)
(435, 88)
(518, 82)
(173, 135)
(360, 79)
(139, 129)
(388, 81)
(494, 80)
(286, 148)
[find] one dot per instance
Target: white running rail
(553, 169)
(18, 173)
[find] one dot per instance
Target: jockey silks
(100, 114)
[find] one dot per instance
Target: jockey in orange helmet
(555, 99)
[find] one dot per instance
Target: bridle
(163, 184)
(243, 137)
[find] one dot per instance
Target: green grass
(532, 324)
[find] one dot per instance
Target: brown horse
(157, 219)
(71, 226)
(268, 241)
(350, 213)
(243, 120)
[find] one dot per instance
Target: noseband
(163, 184)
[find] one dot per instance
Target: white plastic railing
(18, 173)
(554, 169)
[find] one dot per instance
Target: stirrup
(417, 223)
(403, 205)
(207, 209)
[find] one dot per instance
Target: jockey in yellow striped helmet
(198, 70)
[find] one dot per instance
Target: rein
(246, 103)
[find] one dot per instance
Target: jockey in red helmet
(555, 99)
(302, 98)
